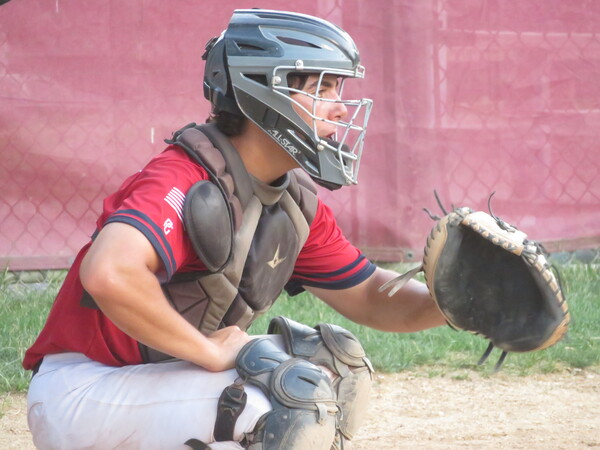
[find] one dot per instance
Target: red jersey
(152, 202)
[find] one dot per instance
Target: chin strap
(327, 184)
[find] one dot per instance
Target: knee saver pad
(256, 362)
(304, 403)
(354, 387)
(340, 351)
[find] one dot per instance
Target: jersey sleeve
(152, 202)
(328, 260)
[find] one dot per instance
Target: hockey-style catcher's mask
(346, 142)
(247, 71)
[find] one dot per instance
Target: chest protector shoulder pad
(226, 195)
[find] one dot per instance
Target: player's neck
(263, 158)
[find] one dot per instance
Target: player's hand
(228, 342)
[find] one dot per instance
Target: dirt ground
(460, 410)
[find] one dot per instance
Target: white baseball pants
(77, 403)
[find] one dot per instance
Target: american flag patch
(175, 198)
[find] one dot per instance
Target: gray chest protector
(247, 234)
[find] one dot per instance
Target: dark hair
(229, 124)
(297, 80)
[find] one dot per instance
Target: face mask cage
(347, 140)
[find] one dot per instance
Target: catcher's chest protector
(248, 235)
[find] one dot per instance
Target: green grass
(448, 349)
(24, 307)
(23, 310)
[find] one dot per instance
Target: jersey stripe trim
(152, 232)
(296, 286)
(335, 273)
(149, 235)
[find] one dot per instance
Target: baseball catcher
(146, 344)
(488, 278)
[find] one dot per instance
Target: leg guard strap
(231, 404)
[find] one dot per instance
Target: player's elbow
(99, 276)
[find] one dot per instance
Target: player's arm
(119, 273)
(410, 309)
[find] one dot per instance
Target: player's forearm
(408, 310)
(119, 272)
(132, 299)
(128, 292)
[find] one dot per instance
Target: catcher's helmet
(246, 74)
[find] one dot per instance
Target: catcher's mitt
(488, 278)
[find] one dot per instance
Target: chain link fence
(471, 97)
(485, 97)
(520, 78)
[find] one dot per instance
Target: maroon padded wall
(471, 97)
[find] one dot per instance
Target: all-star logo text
(285, 143)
